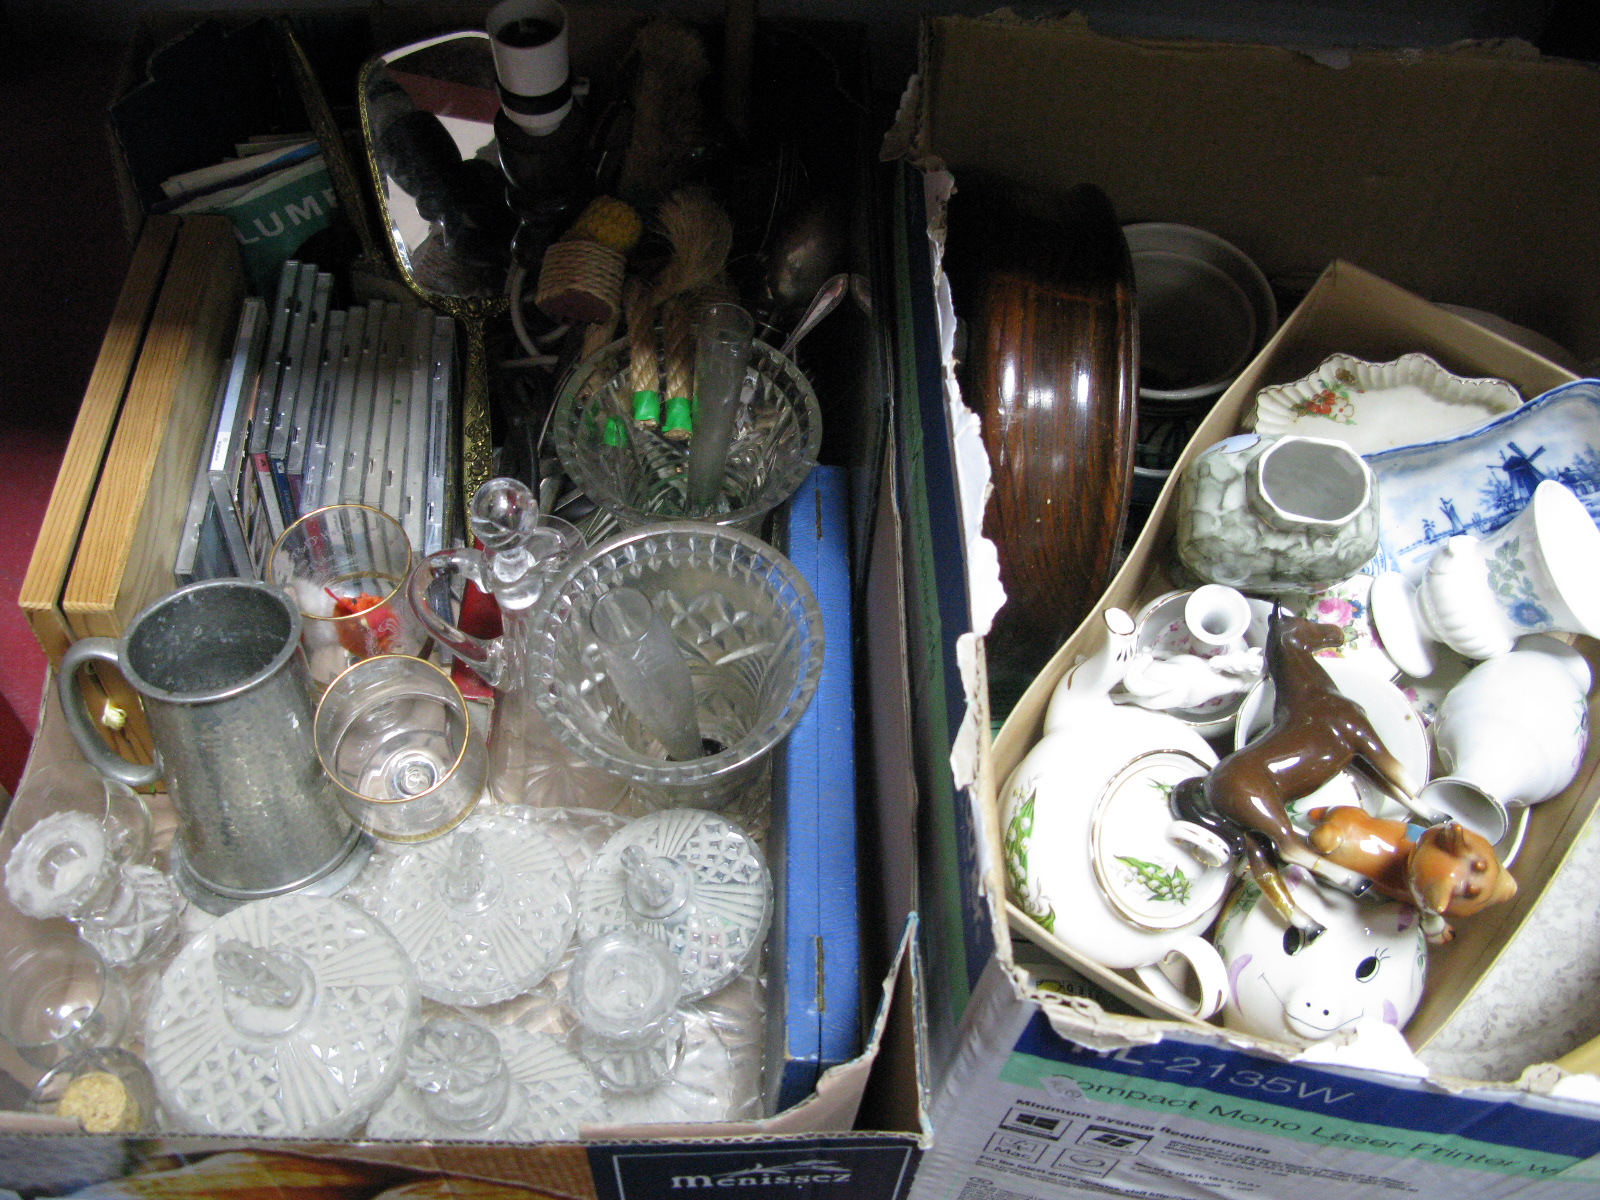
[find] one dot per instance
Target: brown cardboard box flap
(1430, 164)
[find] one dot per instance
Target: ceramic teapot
(1092, 852)
(1369, 962)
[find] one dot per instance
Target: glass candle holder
(69, 785)
(64, 866)
(58, 997)
(346, 567)
(396, 736)
(624, 989)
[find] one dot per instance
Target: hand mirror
(427, 123)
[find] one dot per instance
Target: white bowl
(1204, 309)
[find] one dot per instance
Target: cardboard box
(1072, 1080)
(861, 1124)
(858, 1134)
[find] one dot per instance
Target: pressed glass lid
(485, 911)
(287, 1017)
(691, 878)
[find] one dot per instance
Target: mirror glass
(427, 113)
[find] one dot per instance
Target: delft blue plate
(1475, 481)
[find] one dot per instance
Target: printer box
(1368, 185)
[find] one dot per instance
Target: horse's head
(1288, 632)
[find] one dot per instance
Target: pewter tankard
(228, 697)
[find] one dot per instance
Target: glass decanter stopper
(504, 515)
(66, 865)
(624, 989)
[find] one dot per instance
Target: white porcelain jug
(1538, 573)
(1511, 733)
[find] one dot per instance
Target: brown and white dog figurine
(1449, 871)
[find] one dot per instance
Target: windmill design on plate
(1508, 490)
(1521, 475)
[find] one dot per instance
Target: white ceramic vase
(1511, 733)
(1538, 573)
(1093, 853)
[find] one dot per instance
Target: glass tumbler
(346, 567)
(743, 619)
(396, 736)
(57, 998)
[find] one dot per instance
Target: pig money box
(1369, 963)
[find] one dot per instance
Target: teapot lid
(1156, 872)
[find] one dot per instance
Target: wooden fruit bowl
(1045, 287)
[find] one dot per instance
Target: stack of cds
(322, 407)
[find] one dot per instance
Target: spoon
(824, 302)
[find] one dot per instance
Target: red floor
(30, 458)
(63, 252)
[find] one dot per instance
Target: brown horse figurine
(1316, 732)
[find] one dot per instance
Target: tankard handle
(79, 721)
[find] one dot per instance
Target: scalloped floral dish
(1347, 606)
(1377, 406)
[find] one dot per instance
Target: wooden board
(54, 550)
(129, 541)
(40, 594)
